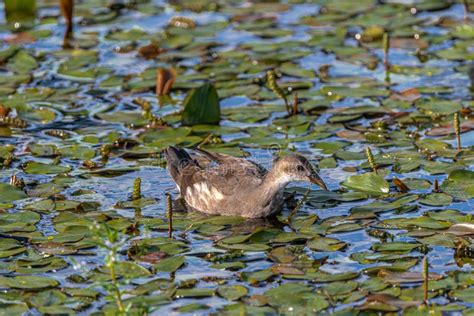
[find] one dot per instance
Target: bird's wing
(240, 165)
(230, 173)
(224, 180)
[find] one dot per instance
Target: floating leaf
(201, 106)
(232, 292)
(25, 282)
(325, 244)
(460, 184)
(437, 199)
(9, 193)
(368, 182)
(170, 264)
(34, 167)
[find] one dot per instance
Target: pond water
(80, 121)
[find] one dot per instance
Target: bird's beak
(318, 181)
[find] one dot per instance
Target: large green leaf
(34, 167)
(27, 282)
(370, 183)
(9, 193)
(232, 292)
(460, 184)
(201, 106)
(170, 264)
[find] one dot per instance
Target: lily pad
(369, 183)
(29, 283)
(9, 193)
(459, 184)
(34, 167)
(232, 292)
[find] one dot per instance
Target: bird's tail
(177, 159)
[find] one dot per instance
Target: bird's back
(216, 188)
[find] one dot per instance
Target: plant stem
(137, 189)
(67, 8)
(273, 85)
(466, 10)
(118, 296)
(435, 186)
(371, 159)
(386, 62)
(169, 214)
(295, 104)
(205, 141)
(297, 207)
(457, 129)
(425, 278)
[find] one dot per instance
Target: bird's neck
(274, 184)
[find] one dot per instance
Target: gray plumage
(235, 186)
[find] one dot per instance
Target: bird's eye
(300, 168)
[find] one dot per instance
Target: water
(82, 107)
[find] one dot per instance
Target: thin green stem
(113, 276)
(169, 214)
(371, 159)
(386, 50)
(457, 130)
(425, 279)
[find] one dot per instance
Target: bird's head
(297, 168)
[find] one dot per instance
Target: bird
(235, 186)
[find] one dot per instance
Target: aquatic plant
(137, 189)
(273, 86)
(371, 160)
(169, 214)
(80, 123)
(457, 129)
(111, 241)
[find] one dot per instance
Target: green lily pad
(232, 292)
(459, 184)
(437, 199)
(34, 167)
(394, 247)
(325, 244)
(28, 283)
(170, 264)
(9, 193)
(369, 183)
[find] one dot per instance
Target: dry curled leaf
(164, 80)
(153, 257)
(400, 185)
(406, 277)
(4, 111)
(444, 130)
(67, 7)
(286, 269)
(20, 38)
(150, 51)
(408, 43)
(461, 229)
(392, 300)
(409, 95)
(350, 135)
